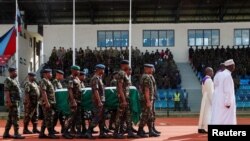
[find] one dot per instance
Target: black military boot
(42, 135)
(88, 134)
(153, 127)
(66, 134)
(35, 130)
(131, 134)
(52, 135)
(17, 135)
(26, 129)
(151, 133)
(141, 133)
(103, 133)
(116, 135)
(6, 134)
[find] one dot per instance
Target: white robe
(206, 103)
(224, 95)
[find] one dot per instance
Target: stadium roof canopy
(117, 11)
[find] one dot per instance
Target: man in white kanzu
(224, 106)
(206, 103)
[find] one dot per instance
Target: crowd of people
(167, 75)
(201, 58)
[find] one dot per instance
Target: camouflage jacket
(154, 86)
(82, 84)
(57, 84)
(123, 78)
(97, 84)
(13, 86)
(113, 82)
(32, 91)
(49, 88)
(146, 81)
(75, 84)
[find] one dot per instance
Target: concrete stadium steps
(192, 86)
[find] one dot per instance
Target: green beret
(75, 67)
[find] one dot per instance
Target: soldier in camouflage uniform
(123, 110)
(114, 79)
(48, 104)
(147, 96)
(98, 100)
(31, 98)
(82, 78)
(113, 112)
(153, 107)
(75, 93)
(58, 115)
(12, 99)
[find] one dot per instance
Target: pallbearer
(31, 98)
(147, 97)
(58, 115)
(123, 111)
(75, 96)
(98, 100)
(48, 104)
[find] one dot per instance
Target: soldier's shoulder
(121, 73)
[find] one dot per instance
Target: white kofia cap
(229, 62)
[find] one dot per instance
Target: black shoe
(202, 131)
(111, 128)
(18, 136)
(7, 136)
(42, 136)
(35, 131)
(55, 132)
(104, 136)
(118, 136)
(88, 135)
(53, 136)
(157, 132)
(142, 134)
(67, 136)
(153, 134)
(27, 131)
(132, 135)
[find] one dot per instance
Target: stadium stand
(166, 72)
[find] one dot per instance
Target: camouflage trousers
(98, 117)
(48, 117)
(153, 111)
(30, 113)
(123, 115)
(13, 117)
(147, 114)
(74, 119)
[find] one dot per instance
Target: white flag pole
(17, 40)
(130, 32)
(74, 54)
